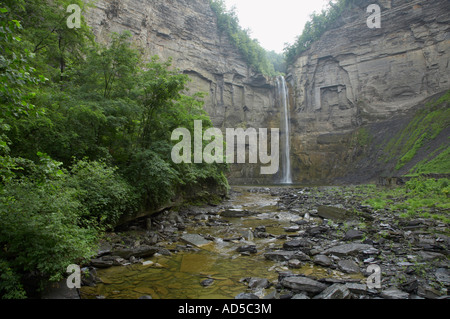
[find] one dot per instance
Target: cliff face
(355, 76)
(187, 31)
(346, 88)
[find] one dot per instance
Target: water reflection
(180, 275)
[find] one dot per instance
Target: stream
(215, 270)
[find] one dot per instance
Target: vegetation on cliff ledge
(268, 63)
(423, 129)
(85, 137)
(318, 25)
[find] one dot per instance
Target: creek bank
(412, 253)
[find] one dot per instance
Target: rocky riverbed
(277, 242)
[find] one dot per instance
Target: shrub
(154, 177)
(252, 51)
(40, 231)
(10, 286)
(104, 194)
(318, 25)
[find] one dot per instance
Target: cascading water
(286, 177)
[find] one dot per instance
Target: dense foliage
(425, 127)
(84, 139)
(257, 57)
(318, 24)
(419, 197)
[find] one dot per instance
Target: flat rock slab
(303, 284)
(349, 249)
(336, 291)
(237, 213)
(297, 244)
(280, 255)
(138, 252)
(333, 213)
(348, 266)
(394, 293)
(322, 260)
(195, 240)
(353, 234)
(248, 248)
(443, 275)
(100, 263)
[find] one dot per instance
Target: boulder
(353, 234)
(322, 260)
(303, 284)
(336, 291)
(333, 213)
(280, 255)
(314, 231)
(248, 248)
(394, 293)
(246, 295)
(356, 288)
(349, 249)
(256, 282)
(237, 213)
(300, 296)
(207, 282)
(443, 275)
(348, 266)
(195, 240)
(143, 251)
(295, 263)
(296, 244)
(100, 263)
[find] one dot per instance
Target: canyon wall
(187, 32)
(352, 78)
(355, 76)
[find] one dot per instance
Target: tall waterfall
(283, 94)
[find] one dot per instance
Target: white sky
(275, 22)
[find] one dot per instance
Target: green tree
(318, 24)
(56, 46)
(110, 70)
(100, 105)
(252, 51)
(159, 88)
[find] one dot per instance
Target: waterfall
(286, 177)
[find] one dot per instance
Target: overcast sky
(275, 22)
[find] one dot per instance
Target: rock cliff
(355, 76)
(353, 79)
(187, 32)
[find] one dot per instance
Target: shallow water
(179, 276)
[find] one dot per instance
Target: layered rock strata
(187, 32)
(355, 75)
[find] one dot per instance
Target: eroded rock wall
(355, 75)
(352, 77)
(187, 32)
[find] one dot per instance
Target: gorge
(351, 80)
(345, 109)
(94, 178)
